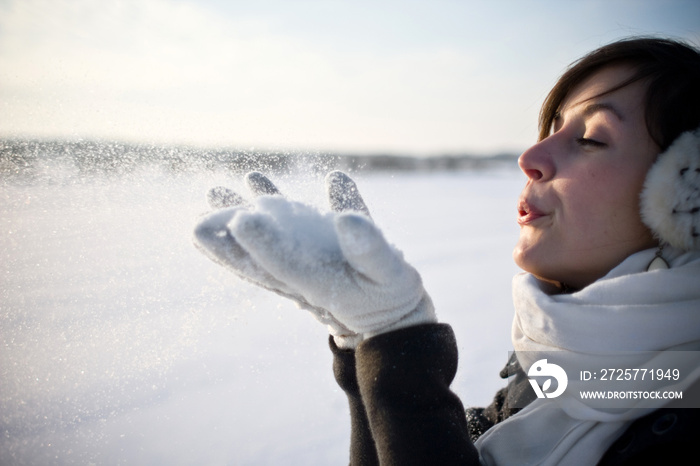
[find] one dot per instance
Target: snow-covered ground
(121, 344)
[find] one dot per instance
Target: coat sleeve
(362, 449)
(414, 418)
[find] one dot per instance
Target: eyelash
(590, 142)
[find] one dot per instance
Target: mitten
(337, 264)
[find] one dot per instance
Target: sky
(409, 77)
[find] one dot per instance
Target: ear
(670, 199)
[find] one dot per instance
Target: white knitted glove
(336, 265)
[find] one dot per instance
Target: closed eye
(586, 142)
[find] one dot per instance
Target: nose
(537, 162)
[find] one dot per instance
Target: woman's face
(579, 211)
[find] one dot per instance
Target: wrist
(424, 313)
(348, 342)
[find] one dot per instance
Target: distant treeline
(31, 158)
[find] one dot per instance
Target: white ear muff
(670, 199)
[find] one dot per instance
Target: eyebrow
(594, 108)
(590, 110)
(602, 107)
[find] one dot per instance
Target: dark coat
(403, 412)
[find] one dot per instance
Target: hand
(336, 265)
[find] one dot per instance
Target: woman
(604, 274)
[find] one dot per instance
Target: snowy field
(122, 344)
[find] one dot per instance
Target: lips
(527, 213)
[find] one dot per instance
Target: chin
(525, 258)
(548, 272)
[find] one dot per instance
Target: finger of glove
(366, 250)
(292, 242)
(277, 242)
(213, 237)
(221, 197)
(260, 185)
(343, 194)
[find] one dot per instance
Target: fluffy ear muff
(670, 199)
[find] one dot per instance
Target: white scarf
(630, 310)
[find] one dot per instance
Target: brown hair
(672, 69)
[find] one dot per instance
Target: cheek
(584, 205)
(605, 207)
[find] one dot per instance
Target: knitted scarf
(628, 310)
